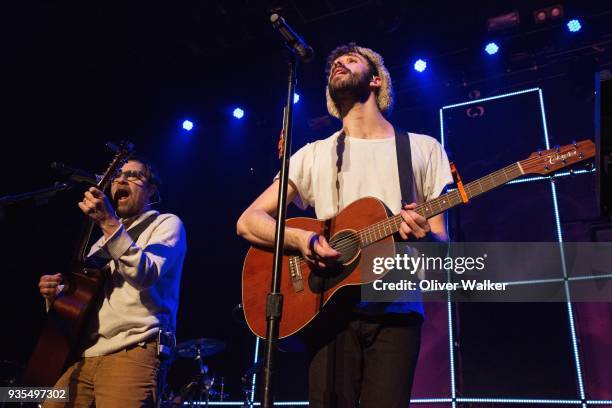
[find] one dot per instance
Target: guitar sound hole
(347, 243)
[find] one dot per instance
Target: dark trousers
(369, 363)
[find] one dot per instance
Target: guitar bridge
(296, 274)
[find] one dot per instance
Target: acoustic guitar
(307, 291)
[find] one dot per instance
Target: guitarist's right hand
(316, 250)
(49, 285)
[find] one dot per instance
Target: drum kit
(203, 387)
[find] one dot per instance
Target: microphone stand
(274, 304)
(40, 195)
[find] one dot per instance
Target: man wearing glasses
(119, 363)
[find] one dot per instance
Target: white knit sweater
(143, 291)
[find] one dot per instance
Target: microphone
(292, 40)
(74, 174)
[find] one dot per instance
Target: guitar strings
(347, 242)
(450, 196)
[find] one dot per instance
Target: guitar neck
(122, 154)
(390, 226)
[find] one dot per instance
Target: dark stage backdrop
(532, 354)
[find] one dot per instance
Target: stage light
(547, 14)
(504, 21)
(187, 125)
(420, 65)
(540, 16)
(296, 98)
(556, 12)
(491, 48)
(574, 25)
(238, 113)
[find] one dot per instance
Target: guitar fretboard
(390, 226)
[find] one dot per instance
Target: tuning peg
(554, 179)
(588, 166)
(572, 172)
(575, 143)
(557, 148)
(540, 152)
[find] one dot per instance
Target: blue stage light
(420, 65)
(238, 113)
(296, 98)
(187, 125)
(491, 48)
(574, 25)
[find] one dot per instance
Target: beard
(350, 89)
(126, 211)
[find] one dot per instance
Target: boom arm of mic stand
(39, 195)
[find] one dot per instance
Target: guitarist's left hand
(98, 208)
(414, 224)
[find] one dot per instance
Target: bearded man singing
(369, 358)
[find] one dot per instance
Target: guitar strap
(404, 166)
(340, 145)
(101, 257)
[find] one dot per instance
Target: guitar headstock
(122, 153)
(551, 160)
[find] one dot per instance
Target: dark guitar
(70, 312)
(362, 223)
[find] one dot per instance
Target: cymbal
(206, 347)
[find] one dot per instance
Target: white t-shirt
(369, 168)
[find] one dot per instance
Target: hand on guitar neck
(98, 208)
(414, 224)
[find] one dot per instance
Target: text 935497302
(33, 394)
